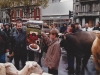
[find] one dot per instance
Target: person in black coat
(97, 26)
(75, 28)
(63, 28)
(7, 31)
(19, 45)
(4, 46)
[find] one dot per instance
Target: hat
(18, 19)
(6, 24)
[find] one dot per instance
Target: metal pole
(40, 12)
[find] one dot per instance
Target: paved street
(63, 65)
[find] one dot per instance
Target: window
(77, 8)
(13, 13)
(32, 12)
(37, 11)
(90, 7)
(23, 13)
(83, 8)
(18, 13)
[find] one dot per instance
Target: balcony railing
(88, 0)
(96, 13)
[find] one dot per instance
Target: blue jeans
(2, 58)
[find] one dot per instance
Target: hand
(10, 55)
(42, 32)
(7, 50)
(50, 67)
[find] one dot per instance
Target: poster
(34, 35)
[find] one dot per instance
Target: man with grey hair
(87, 28)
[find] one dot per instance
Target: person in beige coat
(53, 53)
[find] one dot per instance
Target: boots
(71, 71)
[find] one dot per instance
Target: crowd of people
(70, 29)
(13, 40)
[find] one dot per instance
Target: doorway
(90, 23)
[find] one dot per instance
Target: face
(97, 24)
(52, 36)
(65, 25)
(45, 24)
(19, 25)
(2, 26)
(52, 25)
(69, 27)
(76, 26)
(86, 25)
(7, 26)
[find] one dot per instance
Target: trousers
(18, 58)
(2, 58)
(53, 71)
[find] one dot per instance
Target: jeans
(2, 58)
(18, 58)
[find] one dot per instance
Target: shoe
(71, 71)
(67, 68)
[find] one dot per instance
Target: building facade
(57, 11)
(86, 11)
(32, 12)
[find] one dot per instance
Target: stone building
(86, 11)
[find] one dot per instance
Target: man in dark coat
(63, 28)
(4, 46)
(97, 26)
(75, 28)
(70, 54)
(19, 44)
